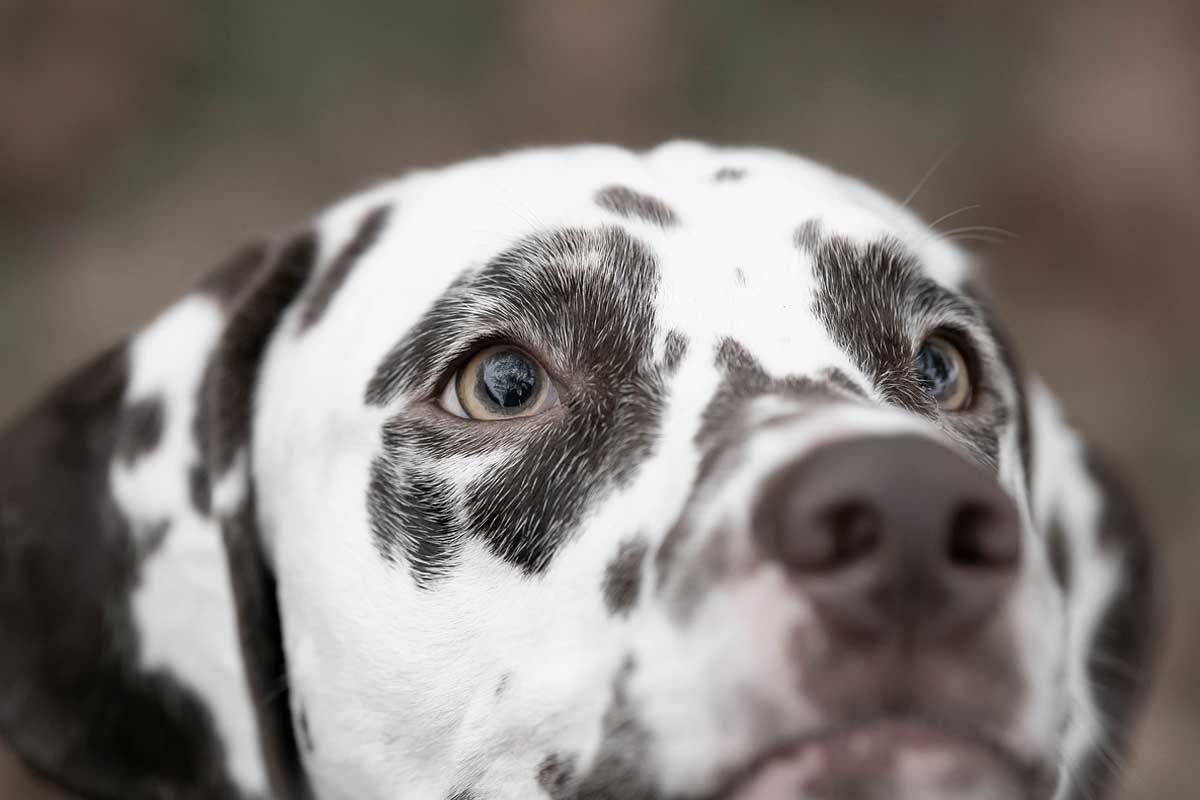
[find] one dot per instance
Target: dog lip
(911, 729)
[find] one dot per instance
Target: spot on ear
(331, 280)
(141, 429)
(808, 236)
(635, 205)
(556, 776)
(674, 349)
(729, 174)
(623, 577)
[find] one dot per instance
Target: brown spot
(635, 205)
(331, 280)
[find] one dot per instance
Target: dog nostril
(840, 536)
(982, 538)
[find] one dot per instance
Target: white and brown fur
(244, 554)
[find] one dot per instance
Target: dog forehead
(725, 227)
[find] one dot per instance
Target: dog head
(573, 473)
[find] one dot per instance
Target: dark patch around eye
(525, 506)
(635, 205)
(141, 429)
(729, 174)
(870, 299)
(331, 280)
(623, 577)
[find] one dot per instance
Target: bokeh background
(140, 142)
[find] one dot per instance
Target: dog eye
(942, 370)
(501, 382)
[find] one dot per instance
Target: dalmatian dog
(574, 474)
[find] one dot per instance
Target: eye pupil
(935, 370)
(942, 369)
(508, 379)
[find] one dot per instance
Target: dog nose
(892, 535)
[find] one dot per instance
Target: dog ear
(226, 418)
(1102, 559)
(76, 703)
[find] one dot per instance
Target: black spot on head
(808, 236)
(249, 328)
(583, 300)
(743, 381)
(729, 174)
(623, 577)
(329, 281)
(635, 205)
(674, 350)
(556, 776)
(620, 768)
(141, 429)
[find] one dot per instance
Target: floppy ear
(77, 703)
(227, 416)
(1101, 558)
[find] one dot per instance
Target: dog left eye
(500, 382)
(942, 370)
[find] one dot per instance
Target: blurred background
(140, 142)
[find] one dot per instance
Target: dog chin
(893, 759)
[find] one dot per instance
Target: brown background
(139, 142)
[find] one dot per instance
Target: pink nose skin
(892, 536)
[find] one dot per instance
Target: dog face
(580, 474)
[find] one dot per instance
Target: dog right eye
(500, 382)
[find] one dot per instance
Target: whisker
(929, 174)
